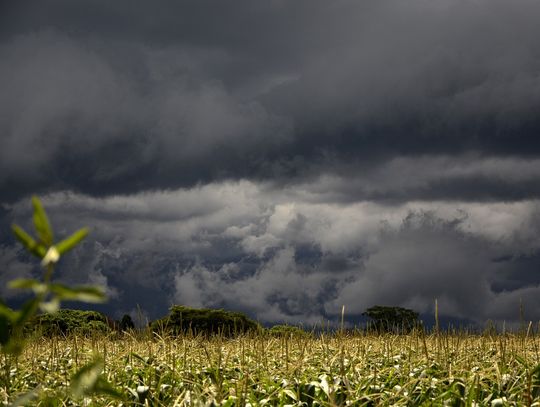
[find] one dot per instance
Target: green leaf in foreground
(28, 284)
(26, 312)
(26, 398)
(41, 223)
(28, 241)
(80, 293)
(72, 241)
(12, 324)
(90, 381)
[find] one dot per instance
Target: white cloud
(278, 257)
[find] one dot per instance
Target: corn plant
(47, 297)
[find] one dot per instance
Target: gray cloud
(113, 101)
(281, 158)
(228, 245)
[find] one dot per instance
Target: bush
(126, 323)
(288, 331)
(69, 322)
(204, 321)
(391, 319)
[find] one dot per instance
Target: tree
(69, 322)
(204, 321)
(126, 323)
(392, 319)
(288, 331)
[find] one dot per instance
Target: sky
(279, 158)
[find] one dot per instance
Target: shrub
(70, 322)
(288, 331)
(126, 323)
(204, 321)
(392, 319)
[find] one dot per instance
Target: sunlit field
(339, 369)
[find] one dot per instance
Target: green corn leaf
(23, 237)
(28, 310)
(28, 242)
(103, 387)
(88, 381)
(28, 284)
(291, 394)
(521, 360)
(14, 346)
(81, 293)
(41, 223)
(15, 343)
(7, 312)
(83, 382)
(72, 241)
(26, 399)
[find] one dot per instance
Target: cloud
(425, 259)
(281, 158)
(14, 266)
(427, 177)
(72, 120)
(227, 245)
(114, 102)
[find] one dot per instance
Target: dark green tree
(69, 322)
(204, 321)
(126, 323)
(391, 319)
(287, 331)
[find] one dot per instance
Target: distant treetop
(391, 319)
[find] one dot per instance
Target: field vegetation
(355, 368)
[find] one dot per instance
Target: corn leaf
(28, 241)
(89, 381)
(7, 312)
(26, 398)
(41, 223)
(28, 284)
(72, 241)
(81, 293)
(26, 312)
(84, 381)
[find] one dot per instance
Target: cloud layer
(280, 158)
(253, 248)
(114, 102)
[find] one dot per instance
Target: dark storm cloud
(75, 122)
(279, 258)
(279, 158)
(425, 177)
(117, 98)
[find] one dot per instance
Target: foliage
(47, 297)
(288, 331)
(126, 323)
(70, 322)
(204, 321)
(416, 369)
(392, 319)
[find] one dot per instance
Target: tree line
(184, 320)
